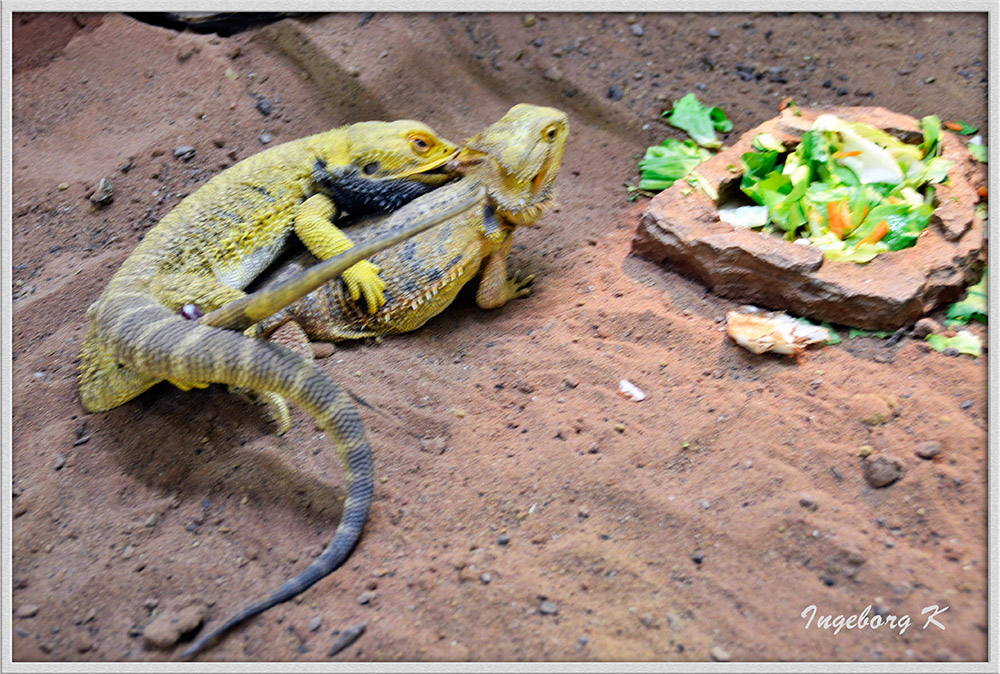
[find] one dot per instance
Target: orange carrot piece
(845, 153)
(881, 229)
(983, 192)
(895, 200)
(836, 220)
(954, 126)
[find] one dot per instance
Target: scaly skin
(217, 240)
(517, 160)
(208, 248)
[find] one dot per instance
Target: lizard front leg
(314, 226)
(495, 288)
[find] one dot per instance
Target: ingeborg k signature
(866, 619)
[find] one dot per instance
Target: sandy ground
(524, 510)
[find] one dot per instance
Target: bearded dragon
(217, 240)
(212, 244)
(516, 159)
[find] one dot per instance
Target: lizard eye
(420, 142)
(370, 168)
(551, 133)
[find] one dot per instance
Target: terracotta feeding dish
(682, 230)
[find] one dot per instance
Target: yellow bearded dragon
(213, 243)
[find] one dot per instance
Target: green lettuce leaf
(931, 127)
(668, 162)
(978, 151)
(973, 307)
(964, 342)
(699, 121)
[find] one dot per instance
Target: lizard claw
(363, 278)
(518, 287)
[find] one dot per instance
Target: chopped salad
(848, 188)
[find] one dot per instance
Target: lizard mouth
(436, 172)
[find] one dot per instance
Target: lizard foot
(516, 287)
(363, 279)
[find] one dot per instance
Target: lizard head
(398, 150)
(377, 167)
(521, 154)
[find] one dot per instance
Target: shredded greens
(673, 159)
(700, 121)
(973, 307)
(964, 342)
(668, 162)
(848, 188)
(978, 150)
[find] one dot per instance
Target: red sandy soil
(658, 530)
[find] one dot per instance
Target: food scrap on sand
(778, 332)
(630, 391)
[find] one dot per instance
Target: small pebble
(808, 501)
(26, 611)
(151, 603)
(265, 138)
(614, 93)
(485, 578)
(529, 20)
(168, 627)
(60, 462)
(366, 597)
(636, 29)
(548, 608)
(503, 539)
(967, 404)
(705, 503)
(553, 74)
(184, 152)
(719, 654)
(151, 521)
(928, 450)
(103, 194)
(697, 557)
(713, 32)
(315, 623)
(264, 106)
(926, 326)
(881, 471)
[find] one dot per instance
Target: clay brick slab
(684, 233)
